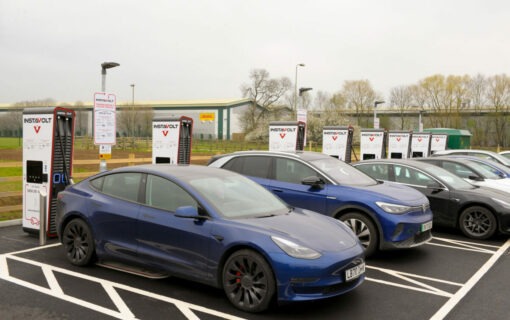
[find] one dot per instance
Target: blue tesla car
(208, 225)
(497, 168)
(383, 215)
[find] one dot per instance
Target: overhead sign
(373, 144)
(104, 118)
(286, 135)
(439, 142)
(420, 145)
(399, 144)
(207, 116)
(337, 142)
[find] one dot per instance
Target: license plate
(355, 272)
(426, 226)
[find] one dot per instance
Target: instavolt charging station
(337, 142)
(420, 145)
(439, 142)
(48, 142)
(171, 140)
(399, 144)
(373, 144)
(286, 135)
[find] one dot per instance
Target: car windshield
(506, 155)
(496, 169)
(236, 197)
(486, 173)
(448, 178)
(343, 173)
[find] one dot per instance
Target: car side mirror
(435, 187)
(475, 178)
(189, 212)
(313, 181)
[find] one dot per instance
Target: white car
(505, 154)
(484, 154)
(472, 172)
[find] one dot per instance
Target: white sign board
(105, 149)
(398, 144)
(37, 146)
(165, 140)
(371, 145)
(420, 145)
(283, 137)
(104, 118)
(439, 142)
(376, 123)
(302, 116)
(334, 142)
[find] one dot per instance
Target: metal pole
(295, 89)
(42, 216)
(102, 164)
(375, 112)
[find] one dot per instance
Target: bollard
(42, 217)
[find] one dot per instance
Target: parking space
(450, 277)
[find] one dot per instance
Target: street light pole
(133, 109)
(295, 86)
(104, 66)
(375, 107)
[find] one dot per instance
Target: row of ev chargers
(48, 145)
(171, 140)
(286, 135)
(401, 144)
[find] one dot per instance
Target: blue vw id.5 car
(212, 226)
(383, 215)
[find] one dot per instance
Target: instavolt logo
(37, 120)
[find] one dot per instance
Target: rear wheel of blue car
(78, 242)
(477, 223)
(364, 229)
(248, 281)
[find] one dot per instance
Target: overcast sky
(206, 49)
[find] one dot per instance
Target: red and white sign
(371, 144)
(283, 136)
(439, 142)
(398, 144)
(165, 139)
(420, 145)
(105, 125)
(334, 142)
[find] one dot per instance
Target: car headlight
(393, 208)
(295, 250)
(501, 202)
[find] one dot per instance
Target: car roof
(305, 155)
(446, 158)
(465, 150)
(177, 170)
(414, 163)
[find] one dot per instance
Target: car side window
(489, 168)
(256, 166)
(123, 185)
(97, 184)
(377, 171)
(458, 169)
(288, 170)
(235, 165)
(408, 175)
(164, 194)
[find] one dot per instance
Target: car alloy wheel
(78, 242)
(364, 230)
(248, 281)
(477, 223)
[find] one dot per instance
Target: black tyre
(478, 223)
(78, 242)
(248, 281)
(364, 229)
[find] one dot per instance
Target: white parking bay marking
(453, 301)
(418, 285)
(462, 245)
(110, 288)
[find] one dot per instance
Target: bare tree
(82, 118)
(264, 92)
(360, 95)
(126, 119)
(401, 98)
(498, 95)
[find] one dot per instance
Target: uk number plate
(355, 272)
(426, 226)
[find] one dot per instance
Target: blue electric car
(497, 168)
(212, 226)
(382, 215)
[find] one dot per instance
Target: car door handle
(277, 190)
(148, 216)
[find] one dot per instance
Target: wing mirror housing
(435, 187)
(189, 212)
(475, 178)
(313, 181)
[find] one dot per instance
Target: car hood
(307, 228)
(500, 184)
(396, 193)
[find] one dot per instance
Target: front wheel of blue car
(248, 281)
(364, 229)
(78, 242)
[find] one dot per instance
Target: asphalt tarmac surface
(451, 277)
